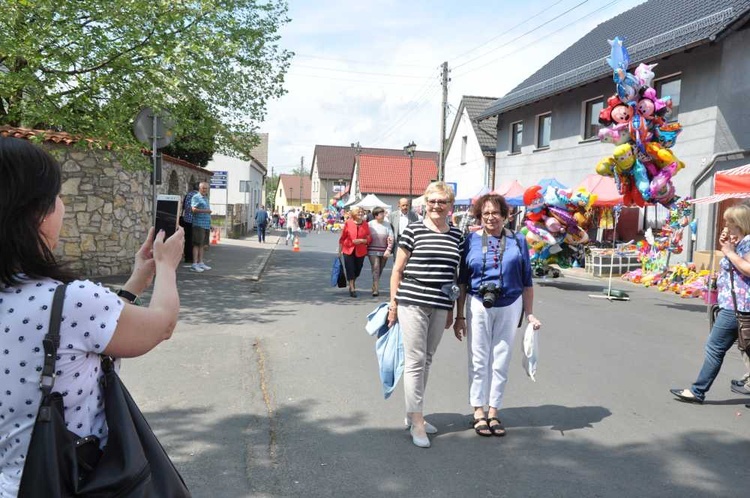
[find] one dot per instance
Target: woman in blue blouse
(735, 244)
(496, 274)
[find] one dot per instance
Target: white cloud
(397, 39)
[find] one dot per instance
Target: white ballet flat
(428, 427)
(422, 442)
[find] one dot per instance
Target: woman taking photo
(734, 266)
(97, 321)
(496, 274)
(380, 249)
(353, 242)
(428, 255)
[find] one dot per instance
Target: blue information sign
(454, 186)
(219, 179)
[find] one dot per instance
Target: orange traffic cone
(296, 245)
(214, 236)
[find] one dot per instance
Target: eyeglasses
(437, 202)
(492, 214)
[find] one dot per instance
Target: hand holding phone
(167, 214)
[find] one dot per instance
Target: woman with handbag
(91, 321)
(496, 273)
(353, 242)
(734, 301)
(422, 298)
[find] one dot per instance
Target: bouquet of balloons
(553, 217)
(634, 120)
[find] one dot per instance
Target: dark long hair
(30, 181)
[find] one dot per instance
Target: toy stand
(609, 293)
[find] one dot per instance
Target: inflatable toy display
(635, 121)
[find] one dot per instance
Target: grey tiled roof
(651, 31)
(260, 153)
(485, 130)
(337, 161)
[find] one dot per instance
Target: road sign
(454, 186)
(244, 185)
(219, 179)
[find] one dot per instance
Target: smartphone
(167, 214)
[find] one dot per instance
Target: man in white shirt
(399, 219)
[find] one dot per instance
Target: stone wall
(108, 209)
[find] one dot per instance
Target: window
(516, 137)
(591, 118)
(544, 130)
(670, 87)
(464, 141)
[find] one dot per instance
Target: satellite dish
(143, 128)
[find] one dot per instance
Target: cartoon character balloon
(634, 121)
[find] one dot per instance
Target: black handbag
(60, 464)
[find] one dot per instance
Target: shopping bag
(530, 351)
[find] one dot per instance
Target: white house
(240, 173)
(470, 151)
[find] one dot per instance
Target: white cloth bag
(530, 351)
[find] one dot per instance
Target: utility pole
(443, 115)
(301, 172)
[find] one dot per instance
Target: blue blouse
(515, 266)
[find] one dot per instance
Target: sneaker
(740, 389)
(196, 268)
(204, 266)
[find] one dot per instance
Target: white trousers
(491, 333)
(422, 328)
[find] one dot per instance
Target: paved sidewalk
(243, 259)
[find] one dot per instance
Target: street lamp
(409, 151)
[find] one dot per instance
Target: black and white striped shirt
(432, 264)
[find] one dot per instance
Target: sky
(369, 72)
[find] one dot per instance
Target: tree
(89, 67)
(272, 184)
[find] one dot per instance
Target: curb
(263, 263)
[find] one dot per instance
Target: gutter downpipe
(699, 178)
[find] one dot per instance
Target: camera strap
(500, 252)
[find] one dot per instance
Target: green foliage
(272, 184)
(88, 66)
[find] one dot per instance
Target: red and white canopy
(730, 184)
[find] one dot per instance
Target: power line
(355, 61)
(504, 33)
(363, 82)
(405, 117)
(523, 34)
(538, 39)
(360, 72)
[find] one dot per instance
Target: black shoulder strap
(52, 341)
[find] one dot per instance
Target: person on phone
(201, 227)
(496, 274)
(97, 320)
(735, 245)
(428, 255)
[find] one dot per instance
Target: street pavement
(270, 388)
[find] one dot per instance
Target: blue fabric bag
(389, 349)
(338, 277)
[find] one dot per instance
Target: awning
(729, 184)
(604, 188)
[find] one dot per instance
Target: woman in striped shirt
(428, 256)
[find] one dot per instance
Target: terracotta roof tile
(337, 161)
(291, 185)
(389, 175)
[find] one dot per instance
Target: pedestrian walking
(275, 217)
(186, 221)
(381, 247)
(353, 242)
(734, 277)
(96, 321)
(292, 227)
(400, 220)
(261, 223)
(496, 275)
(201, 227)
(428, 255)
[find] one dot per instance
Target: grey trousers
(422, 329)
